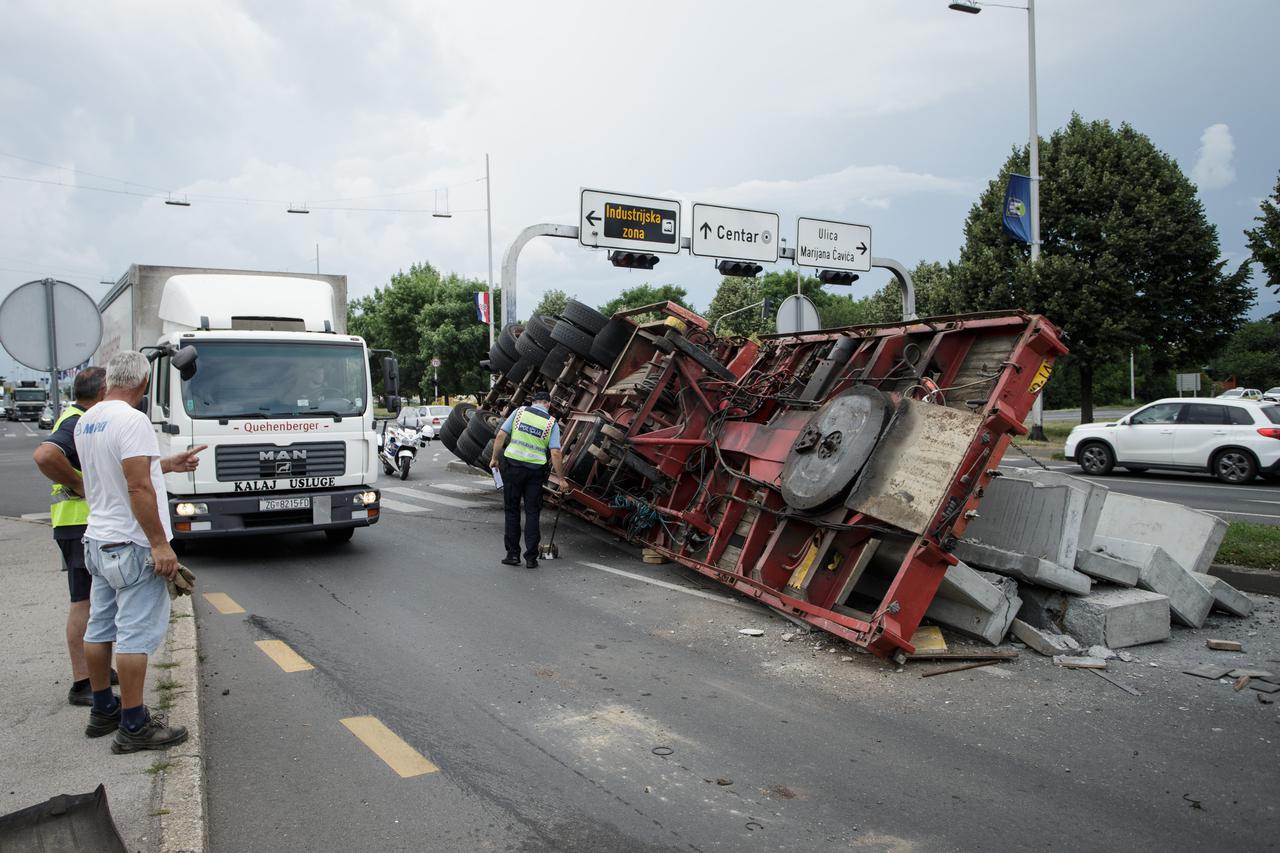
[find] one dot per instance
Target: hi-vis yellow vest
(65, 510)
(530, 438)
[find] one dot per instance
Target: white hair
(127, 369)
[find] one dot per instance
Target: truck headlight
(366, 498)
(190, 509)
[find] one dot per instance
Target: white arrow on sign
(833, 245)
(608, 220)
(731, 232)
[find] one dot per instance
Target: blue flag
(1017, 208)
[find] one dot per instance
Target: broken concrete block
(1100, 652)
(1188, 598)
(1047, 643)
(963, 584)
(1022, 516)
(1225, 596)
(1095, 496)
(1027, 567)
(989, 625)
(1096, 563)
(1189, 536)
(1211, 671)
(1109, 616)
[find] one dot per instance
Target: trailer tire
(507, 340)
(519, 371)
(610, 341)
(483, 426)
(584, 317)
(499, 361)
(539, 329)
(529, 349)
(553, 364)
(468, 451)
(456, 423)
(485, 456)
(574, 339)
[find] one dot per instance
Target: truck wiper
(328, 413)
(222, 419)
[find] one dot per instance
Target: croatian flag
(482, 306)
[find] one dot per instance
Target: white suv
(1235, 440)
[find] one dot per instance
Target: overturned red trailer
(826, 474)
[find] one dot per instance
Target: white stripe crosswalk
(419, 494)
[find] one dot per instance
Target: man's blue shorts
(128, 602)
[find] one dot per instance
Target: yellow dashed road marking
(285, 657)
(223, 602)
(388, 746)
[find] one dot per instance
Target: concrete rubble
(1073, 569)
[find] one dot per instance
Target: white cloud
(1214, 168)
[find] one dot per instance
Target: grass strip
(1255, 546)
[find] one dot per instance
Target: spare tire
(539, 328)
(574, 339)
(610, 341)
(584, 317)
(529, 349)
(553, 364)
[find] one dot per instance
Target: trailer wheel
(499, 361)
(610, 341)
(574, 339)
(456, 423)
(553, 364)
(338, 535)
(529, 349)
(539, 329)
(468, 451)
(507, 340)
(483, 426)
(519, 371)
(485, 455)
(584, 317)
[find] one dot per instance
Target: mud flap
(67, 822)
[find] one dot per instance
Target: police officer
(69, 512)
(534, 435)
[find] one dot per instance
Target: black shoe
(80, 695)
(115, 678)
(510, 560)
(154, 734)
(530, 563)
(103, 724)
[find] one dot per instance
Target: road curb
(1245, 579)
(178, 794)
(464, 468)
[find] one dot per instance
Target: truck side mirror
(185, 360)
(390, 376)
(391, 403)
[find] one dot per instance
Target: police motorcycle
(398, 448)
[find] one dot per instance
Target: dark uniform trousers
(522, 482)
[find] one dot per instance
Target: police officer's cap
(541, 395)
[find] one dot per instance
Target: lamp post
(973, 8)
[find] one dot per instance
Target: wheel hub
(832, 448)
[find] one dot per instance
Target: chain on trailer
(825, 474)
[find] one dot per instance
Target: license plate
(268, 504)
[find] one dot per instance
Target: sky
(375, 115)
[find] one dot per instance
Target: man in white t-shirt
(127, 551)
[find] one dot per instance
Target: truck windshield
(28, 395)
(253, 379)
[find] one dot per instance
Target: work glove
(182, 583)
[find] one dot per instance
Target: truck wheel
(609, 342)
(554, 363)
(483, 427)
(468, 451)
(499, 361)
(507, 340)
(338, 535)
(574, 339)
(518, 372)
(529, 349)
(584, 317)
(539, 330)
(456, 423)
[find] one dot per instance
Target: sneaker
(154, 734)
(510, 560)
(80, 695)
(102, 724)
(531, 563)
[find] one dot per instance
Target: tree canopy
(646, 294)
(1264, 241)
(553, 302)
(1128, 257)
(1251, 356)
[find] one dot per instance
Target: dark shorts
(78, 579)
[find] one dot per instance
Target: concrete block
(1025, 567)
(1047, 643)
(1022, 516)
(1095, 496)
(963, 584)
(1096, 563)
(1109, 616)
(1189, 536)
(1189, 600)
(974, 619)
(1225, 596)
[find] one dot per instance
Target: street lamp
(972, 8)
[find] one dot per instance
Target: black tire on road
(555, 361)
(338, 535)
(499, 361)
(1235, 466)
(1095, 458)
(404, 467)
(483, 426)
(610, 341)
(574, 339)
(529, 349)
(584, 317)
(468, 451)
(539, 329)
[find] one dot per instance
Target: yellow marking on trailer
(387, 745)
(1041, 377)
(284, 657)
(802, 571)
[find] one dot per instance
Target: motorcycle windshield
(239, 379)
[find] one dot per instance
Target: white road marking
(675, 587)
(35, 516)
(1233, 512)
(1252, 501)
(440, 499)
(398, 506)
(463, 490)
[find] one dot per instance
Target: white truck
(258, 366)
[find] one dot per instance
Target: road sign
(633, 223)
(797, 314)
(435, 362)
(833, 245)
(49, 325)
(1188, 382)
(731, 232)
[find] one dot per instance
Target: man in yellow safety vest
(57, 459)
(534, 435)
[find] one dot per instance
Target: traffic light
(766, 308)
(633, 260)
(837, 277)
(739, 268)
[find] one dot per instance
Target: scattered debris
(1126, 657)
(959, 668)
(1117, 682)
(1211, 671)
(1101, 652)
(1046, 642)
(1076, 662)
(1263, 686)
(1224, 645)
(846, 659)
(1252, 673)
(786, 638)
(1264, 700)
(1241, 683)
(723, 782)
(966, 654)
(751, 632)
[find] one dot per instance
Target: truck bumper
(242, 515)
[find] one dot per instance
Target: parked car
(1233, 439)
(1241, 394)
(46, 419)
(424, 418)
(1272, 395)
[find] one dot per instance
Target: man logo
(277, 455)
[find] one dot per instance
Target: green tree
(935, 295)
(734, 294)
(1251, 356)
(835, 310)
(646, 294)
(1264, 241)
(1128, 257)
(553, 302)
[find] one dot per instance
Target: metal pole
(435, 381)
(1132, 394)
(1037, 410)
(317, 259)
(54, 397)
(488, 215)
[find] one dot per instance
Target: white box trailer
(258, 366)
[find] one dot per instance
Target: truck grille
(280, 462)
